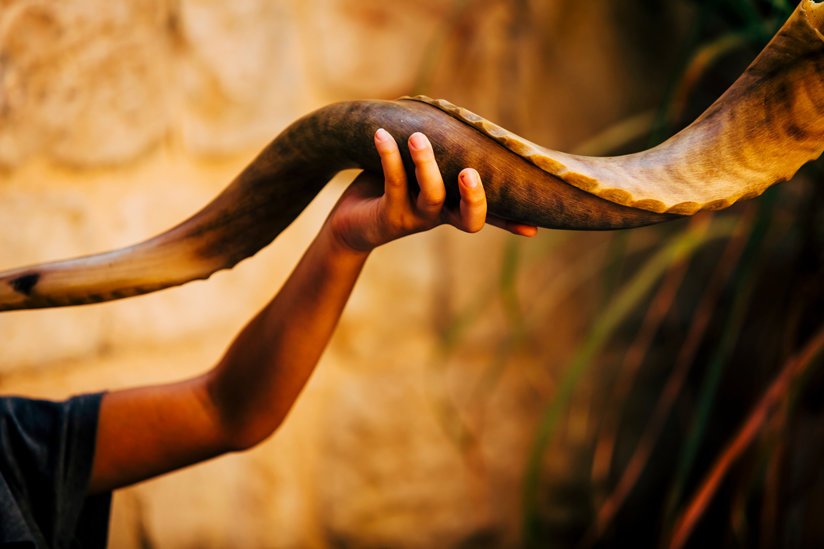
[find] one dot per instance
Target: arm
(149, 431)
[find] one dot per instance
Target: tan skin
(149, 431)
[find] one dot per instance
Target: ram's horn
(765, 127)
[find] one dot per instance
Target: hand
(371, 212)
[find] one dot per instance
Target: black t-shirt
(46, 455)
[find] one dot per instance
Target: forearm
(149, 431)
(260, 376)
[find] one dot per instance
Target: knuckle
(432, 200)
(403, 221)
(431, 163)
(395, 179)
(474, 226)
(425, 154)
(390, 158)
(475, 200)
(396, 219)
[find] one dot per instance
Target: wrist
(339, 248)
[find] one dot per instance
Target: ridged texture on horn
(758, 133)
(270, 193)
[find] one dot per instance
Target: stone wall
(118, 119)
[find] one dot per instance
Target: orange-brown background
(118, 119)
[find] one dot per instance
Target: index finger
(394, 175)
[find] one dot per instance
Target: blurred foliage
(700, 327)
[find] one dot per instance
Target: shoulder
(45, 464)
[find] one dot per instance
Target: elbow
(239, 438)
(237, 424)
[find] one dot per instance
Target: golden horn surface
(759, 132)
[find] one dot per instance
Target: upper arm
(149, 431)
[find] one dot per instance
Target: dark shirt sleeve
(45, 466)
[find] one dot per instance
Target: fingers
(428, 209)
(395, 185)
(473, 209)
(473, 201)
(471, 214)
(515, 228)
(431, 198)
(521, 229)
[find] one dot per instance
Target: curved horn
(759, 132)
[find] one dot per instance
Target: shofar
(760, 132)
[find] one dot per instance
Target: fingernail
(469, 178)
(417, 141)
(381, 136)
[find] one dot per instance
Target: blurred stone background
(119, 119)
